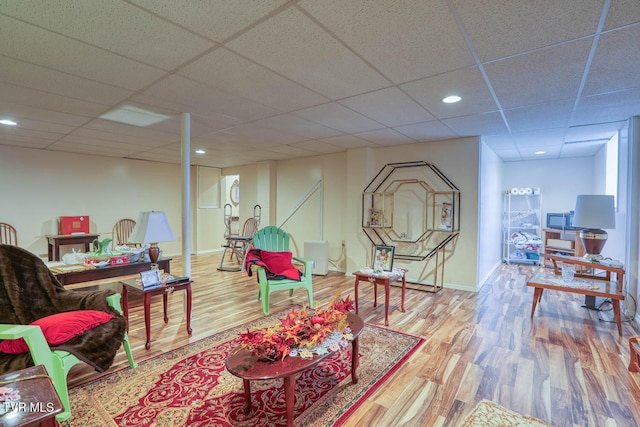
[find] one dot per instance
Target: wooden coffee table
(542, 280)
(164, 290)
(243, 364)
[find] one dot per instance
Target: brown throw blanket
(29, 291)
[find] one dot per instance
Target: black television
(561, 221)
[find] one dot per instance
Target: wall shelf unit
(521, 226)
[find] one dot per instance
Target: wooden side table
(55, 241)
(38, 402)
(164, 290)
(385, 280)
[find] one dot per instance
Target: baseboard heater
(318, 252)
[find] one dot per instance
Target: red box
(73, 225)
(119, 260)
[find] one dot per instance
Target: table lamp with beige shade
(152, 228)
(593, 213)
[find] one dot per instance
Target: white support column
(186, 194)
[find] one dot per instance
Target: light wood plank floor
(566, 366)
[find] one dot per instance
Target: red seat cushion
(60, 328)
(280, 263)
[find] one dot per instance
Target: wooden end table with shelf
(384, 280)
(163, 289)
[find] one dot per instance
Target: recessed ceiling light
(539, 152)
(8, 122)
(451, 99)
(200, 151)
(134, 116)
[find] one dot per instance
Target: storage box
(119, 260)
(562, 244)
(73, 225)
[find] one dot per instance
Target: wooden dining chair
(121, 232)
(8, 234)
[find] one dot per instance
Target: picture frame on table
(150, 278)
(383, 257)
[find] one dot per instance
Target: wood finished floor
(564, 366)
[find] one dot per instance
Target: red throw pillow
(277, 262)
(60, 328)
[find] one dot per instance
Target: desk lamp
(152, 227)
(592, 214)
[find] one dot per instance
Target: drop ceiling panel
(467, 83)
(476, 124)
(41, 47)
(117, 137)
(347, 142)
(400, 39)
(228, 71)
(591, 132)
(541, 76)
(385, 137)
(260, 133)
(294, 46)
(35, 125)
(217, 20)
(39, 114)
(143, 135)
(505, 27)
(9, 132)
(81, 143)
(24, 141)
(338, 117)
(429, 131)
(608, 107)
(622, 12)
(106, 24)
(615, 65)
(539, 138)
(320, 147)
(581, 150)
(292, 151)
(32, 76)
(389, 106)
(288, 123)
(540, 116)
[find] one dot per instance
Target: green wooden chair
(275, 239)
(25, 280)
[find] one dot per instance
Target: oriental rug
(190, 386)
(490, 414)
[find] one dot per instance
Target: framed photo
(150, 278)
(383, 257)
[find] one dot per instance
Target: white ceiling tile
(294, 46)
(110, 137)
(476, 124)
(217, 20)
(429, 131)
(400, 39)
(261, 134)
(36, 125)
(293, 150)
(31, 44)
(289, 123)
(347, 142)
(318, 146)
(540, 116)
(388, 106)
(385, 137)
(622, 12)
(145, 136)
(21, 112)
(23, 141)
(230, 72)
(539, 138)
(32, 76)
(581, 149)
(615, 65)
(98, 144)
(107, 24)
(541, 76)
(9, 132)
(608, 107)
(499, 28)
(593, 132)
(338, 117)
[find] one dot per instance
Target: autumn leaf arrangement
(303, 332)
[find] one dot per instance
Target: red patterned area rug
(190, 386)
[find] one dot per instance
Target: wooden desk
(384, 280)
(164, 290)
(110, 271)
(243, 364)
(585, 286)
(588, 272)
(55, 241)
(38, 402)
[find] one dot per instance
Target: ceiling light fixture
(134, 116)
(8, 122)
(200, 151)
(539, 152)
(451, 99)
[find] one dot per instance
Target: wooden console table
(110, 271)
(55, 241)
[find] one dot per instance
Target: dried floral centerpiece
(303, 332)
